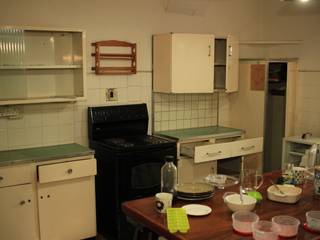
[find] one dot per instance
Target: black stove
(134, 142)
(128, 162)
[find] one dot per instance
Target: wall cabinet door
(67, 209)
(232, 74)
(17, 211)
(226, 64)
(183, 63)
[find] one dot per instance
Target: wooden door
(18, 215)
(192, 63)
(67, 209)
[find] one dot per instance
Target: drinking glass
(250, 180)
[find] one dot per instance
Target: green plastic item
(255, 194)
(177, 220)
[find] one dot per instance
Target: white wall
(288, 21)
(133, 21)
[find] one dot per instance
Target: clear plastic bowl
(264, 230)
(288, 226)
(313, 220)
(242, 221)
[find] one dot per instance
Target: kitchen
(254, 20)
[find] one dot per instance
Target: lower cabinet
(66, 200)
(18, 213)
(67, 209)
(49, 201)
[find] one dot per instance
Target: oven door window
(145, 176)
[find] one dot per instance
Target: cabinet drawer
(212, 152)
(14, 175)
(67, 170)
(247, 146)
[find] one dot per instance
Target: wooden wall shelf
(121, 70)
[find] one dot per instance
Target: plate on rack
(221, 181)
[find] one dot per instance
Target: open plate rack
(119, 70)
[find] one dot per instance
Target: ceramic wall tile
(33, 118)
(3, 139)
(50, 117)
(133, 94)
(50, 135)
(66, 133)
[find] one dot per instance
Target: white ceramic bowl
(233, 201)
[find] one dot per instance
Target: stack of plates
(194, 191)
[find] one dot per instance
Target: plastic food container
(288, 226)
(234, 203)
(264, 230)
(313, 220)
(291, 194)
(242, 221)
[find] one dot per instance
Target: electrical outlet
(111, 94)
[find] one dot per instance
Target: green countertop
(202, 132)
(43, 153)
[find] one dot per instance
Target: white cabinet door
(17, 213)
(183, 63)
(232, 73)
(67, 209)
(192, 63)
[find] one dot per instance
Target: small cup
(288, 226)
(313, 220)
(242, 221)
(163, 201)
(264, 230)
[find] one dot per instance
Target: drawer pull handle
(213, 154)
(247, 148)
(1, 178)
(22, 202)
(69, 171)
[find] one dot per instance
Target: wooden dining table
(218, 224)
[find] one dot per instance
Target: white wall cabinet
(41, 65)
(48, 201)
(18, 213)
(195, 63)
(183, 63)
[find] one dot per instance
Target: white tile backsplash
(185, 110)
(50, 124)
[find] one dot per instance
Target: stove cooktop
(134, 141)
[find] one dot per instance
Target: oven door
(140, 172)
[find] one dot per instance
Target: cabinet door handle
(22, 202)
(1, 178)
(209, 54)
(213, 154)
(248, 148)
(69, 171)
(230, 51)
